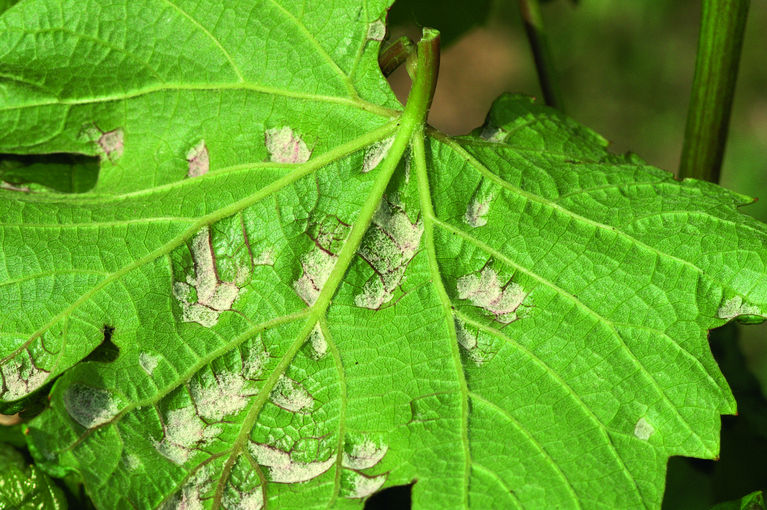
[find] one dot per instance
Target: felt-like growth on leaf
(281, 468)
(487, 292)
(88, 406)
(514, 317)
(212, 295)
(20, 377)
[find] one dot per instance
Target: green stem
(723, 23)
(539, 44)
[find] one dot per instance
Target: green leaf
(25, 487)
(753, 501)
(314, 297)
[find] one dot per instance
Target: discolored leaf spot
(199, 162)
(212, 295)
(148, 362)
(317, 265)
(220, 395)
(355, 485)
(285, 146)
(363, 454)
(388, 247)
(132, 462)
(265, 258)
(735, 307)
(377, 30)
(13, 187)
(485, 291)
(291, 395)
(643, 429)
(88, 406)
(111, 143)
(183, 431)
(494, 134)
(281, 468)
(20, 377)
(253, 500)
(191, 495)
(479, 206)
(318, 343)
(376, 153)
(254, 362)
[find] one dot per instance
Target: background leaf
(25, 487)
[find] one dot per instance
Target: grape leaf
(753, 501)
(314, 296)
(26, 487)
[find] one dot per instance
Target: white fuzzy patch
(376, 153)
(213, 296)
(735, 307)
(88, 406)
(389, 245)
(318, 342)
(285, 146)
(184, 431)
(112, 143)
(291, 395)
(266, 258)
(148, 362)
(225, 395)
(20, 378)
(282, 468)
(364, 454)
(377, 30)
(361, 486)
(486, 292)
(643, 430)
(477, 210)
(494, 134)
(317, 265)
(253, 500)
(254, 363)
(198, 159)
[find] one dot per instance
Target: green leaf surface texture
(753, 501)
(25, 487)
(315, 298)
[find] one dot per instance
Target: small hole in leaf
(67, 173)
(391, 498)
(107, 351)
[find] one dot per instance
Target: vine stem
(539, 44)
(722, 26)
(395, 54)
